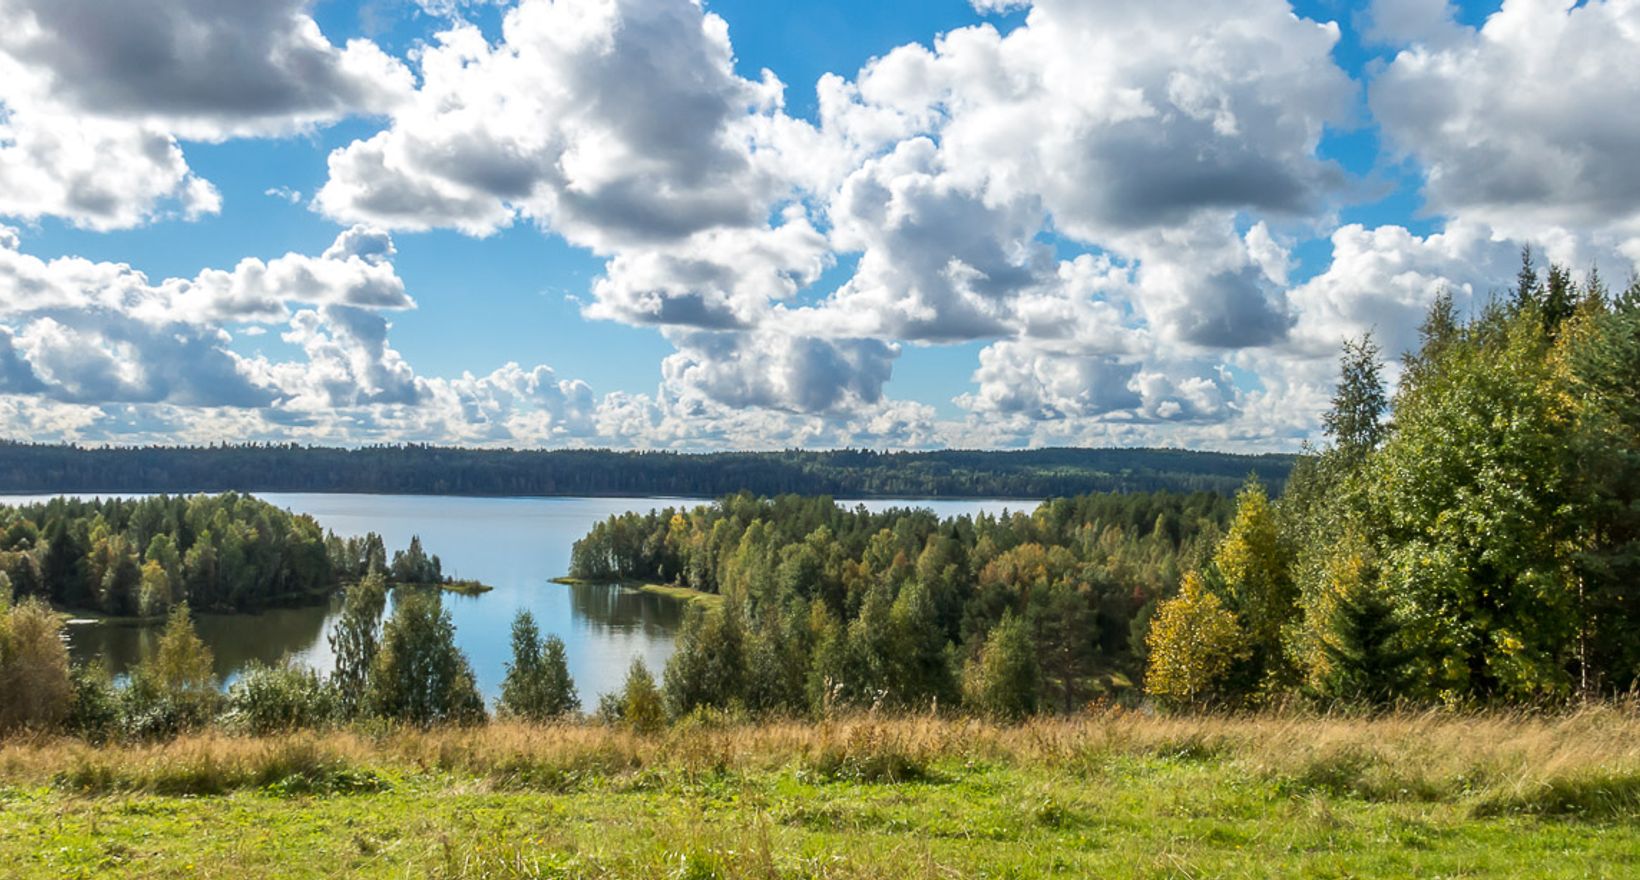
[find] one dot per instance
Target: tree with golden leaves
(1194, 642)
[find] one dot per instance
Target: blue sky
(595, 222)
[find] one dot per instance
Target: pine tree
(1065, 629)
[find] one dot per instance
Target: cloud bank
(1108, 201)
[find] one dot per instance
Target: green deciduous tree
(420, 676)
(707, 668)
(1468, 501)
(1004, 681)
(642, 707)
(538, 686)
(355, 642)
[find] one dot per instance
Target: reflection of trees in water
(623, 610)
(235, 639)
(621, 621)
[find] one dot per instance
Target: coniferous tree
(1065, 632)
(1355, 422)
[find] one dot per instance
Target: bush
(175, 690)
(94, 709)
(35, 690)
(278, 699)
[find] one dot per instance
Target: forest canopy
(829, 607)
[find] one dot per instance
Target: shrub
(276, 699)
(94, 709)
(35, 690)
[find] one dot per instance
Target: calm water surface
(516, 545)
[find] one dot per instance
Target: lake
(516, 545)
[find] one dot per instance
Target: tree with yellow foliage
(1194, 642)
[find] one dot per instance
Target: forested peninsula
(436, 470)
(126, 557)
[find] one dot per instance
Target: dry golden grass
(1584, 761)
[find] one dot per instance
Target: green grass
(1423, 796)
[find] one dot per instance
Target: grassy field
(1108, 796)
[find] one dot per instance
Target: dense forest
(433, 470)
(1475, 539)
(231, 552)
(834, 607)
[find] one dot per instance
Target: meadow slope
(1115, 795)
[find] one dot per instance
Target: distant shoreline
(427, 471)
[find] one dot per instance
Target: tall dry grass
(1582, 762)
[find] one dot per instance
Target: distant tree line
(436, 470)
(139, 557)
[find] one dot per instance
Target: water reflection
(235, 639)
(607, 609)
